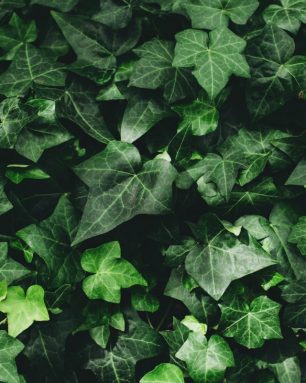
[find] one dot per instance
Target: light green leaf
(10, 270)
(223, 258)
(51, 239)
(208, 53)
(17, 173)
(250, 325)
(140, 115)
(288, 15)
(274, 71)
(9, 349)
(298, 176)
(111, 273)
(164, 373)
(23, 309)
(120, 187)
(206, 360)
(31, 66)
(211, 14)
(154, 70)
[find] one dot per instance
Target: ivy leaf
(250, 325)
(31, 66)
(211, 14)
(288, 371)
(140, 115)
(154, 70)
(222, 258)
(298, 235)
(79, 106)
(298, 176)
(10, 270)
(17, 33)
(289, 15)
(164, 373)
(65, 6)
(207, 53)
(111, 273)
(206, 360)
(51, 239)
(117, 364)
(113, 15)
(23, 309)
(5, 204)
(9, 349)
(274, 70)
(125, 190)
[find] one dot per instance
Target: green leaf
(23, 309)
(155, 70)
(298, 235)
(113, 15)
(140, 115)
(111, 273)
(10, 270)
(164, 373)
(206, 360)
(31, 66)
(15, 35)
(211, 14)
(207, 53)
(5, 204)
(64, 6)
(274, 71)
(250, 325)
(51, 239)
(289, 15)
(126, 188)
(288, 371)
(17, 173)
(79, 106)
(298, 176)
(143, 300)
(222, 258)
(117, 364)
(9, 349)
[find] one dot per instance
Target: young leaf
(206, 360)
(111, 273)
(207, 53)
(250, 325)
(23, 309)
(164, 373)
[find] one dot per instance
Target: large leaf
(222, 258)
(208, 53)
(252, 324)
(211, 14)
(23, 309)
(274, 70)
(111, 273)
(51, 240)
(31, 66)
(206, 360)
(120, 187)
(155, 70)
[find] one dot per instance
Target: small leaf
(164, 373)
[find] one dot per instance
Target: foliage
(152, 191)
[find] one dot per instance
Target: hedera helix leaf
(289, 14)
(10, 348)
(206, 360)
(222, 258)
(208, 53)
(64, 6)
(51, 240)
(155, 70)
(111, 273)
(5, 204)
(121, 188)
(288, 371)
(298, 176)
(273, 69)
(23, 309)
(31, 66)
(164, 373)
(113, 15)
(211, 14)
(298, 235)
(10, 270)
